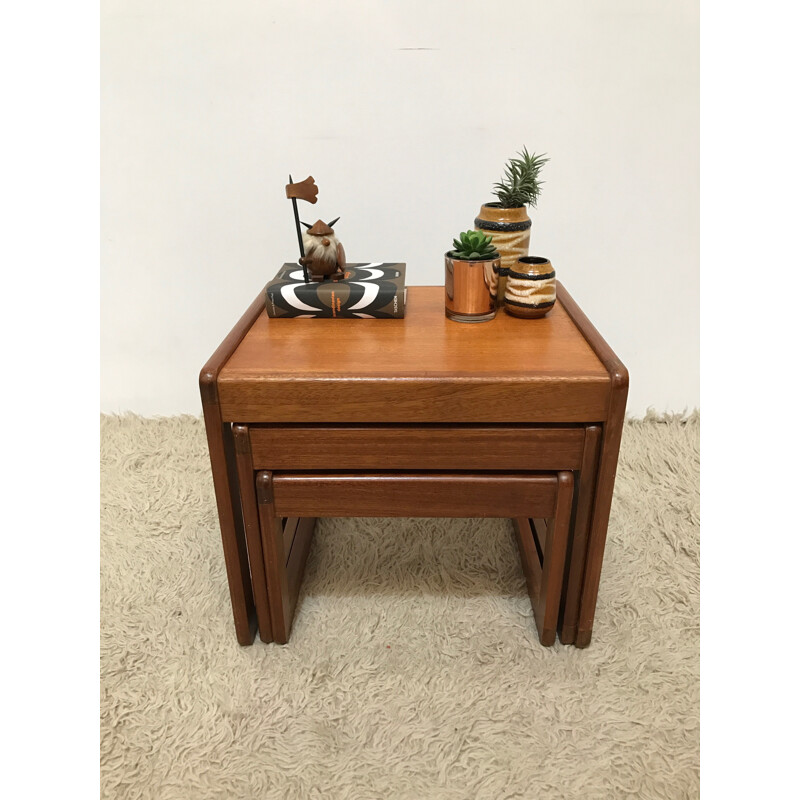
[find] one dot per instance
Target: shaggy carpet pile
(414, 670)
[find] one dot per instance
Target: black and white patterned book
(368, 291)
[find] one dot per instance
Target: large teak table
(322, 411)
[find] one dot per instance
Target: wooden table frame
(595, 473)
(285, 539)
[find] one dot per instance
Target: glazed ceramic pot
(468, 287)
(510, 229)
(530, 287)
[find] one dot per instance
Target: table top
(421, 368)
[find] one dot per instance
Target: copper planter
(470, 287)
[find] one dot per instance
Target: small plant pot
(530, 288)
(510, 229)
(468, 288)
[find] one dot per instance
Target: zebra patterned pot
(530, 288)
(510, 229)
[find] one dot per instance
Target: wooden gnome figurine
(324, 254)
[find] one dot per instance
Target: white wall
(404, 113)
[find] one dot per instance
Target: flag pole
(299, 233)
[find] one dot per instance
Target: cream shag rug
(413, 670)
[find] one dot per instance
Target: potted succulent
(471, 271)
(507, 219)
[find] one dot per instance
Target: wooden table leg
(234, 547)
(555, 552)
(606, 473)
(286, 548)
(607, 466)
(252, 529)
(226, 488)
(576, 557)
(543, 550)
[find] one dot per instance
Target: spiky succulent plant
(472, 245)
(521, 184)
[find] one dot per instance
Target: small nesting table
(420, 416)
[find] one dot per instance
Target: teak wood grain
(252, 528)
(289, 530)
(607, 466)
(517, 447)
(284, 566)
(544, 570)
(298, 556)
(434, 395)
(413, 494)
(576, 551)
(359, 494)
(539, 528)
(226, 486)
(424, 368)
(555, 551)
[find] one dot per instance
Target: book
(375, 290)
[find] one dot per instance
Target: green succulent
(473, 244)
(521, 184)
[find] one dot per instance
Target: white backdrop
(404, 113)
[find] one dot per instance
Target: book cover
(368, 291)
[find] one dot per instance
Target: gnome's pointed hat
(320, 228)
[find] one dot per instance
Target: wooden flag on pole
(305, 190)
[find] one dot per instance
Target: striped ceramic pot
(530, 288)
(510, 229)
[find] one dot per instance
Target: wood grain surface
(607, 466)
(576, 552)
(226, 484)
(424, 368)
(324, 447)
(413, 494)
(252, 529)
(543, 564)
(555, 552)
(423, 393)
(284, 561)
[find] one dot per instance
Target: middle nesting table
(280, 504)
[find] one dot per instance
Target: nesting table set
(421, 417)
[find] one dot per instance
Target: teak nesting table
(419, 416)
